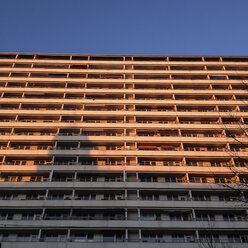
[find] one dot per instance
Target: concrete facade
(124, 151)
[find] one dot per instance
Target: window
(90, 237)
(177, 238)
(201, 198)
(172, 197)
(88, 179)
(109, 179)
(2, 216)
(176, 217)
(10, 216)
(147, 216)
(33, 238)
(108, 238)
(5, 237)
(148, 179)
(149, 238)
(149, 197)
(109, 197)
(27, 216)
(210, 239)
(202, 217)
(234, 239)
(55, 237)
(229, 217)
(23, 237)
(224, 198)
(108, 216)
(80, 238)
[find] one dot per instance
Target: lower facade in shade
(123, 151)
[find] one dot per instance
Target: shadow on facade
(61, 188)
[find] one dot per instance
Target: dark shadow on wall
(62, 180)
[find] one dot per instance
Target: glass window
(216, 239)
(147, 216)
(177, 238)
(23, 237)
(80, 238)
(51, 237)
(149, 238)
(234, 238)
(5, 237)
(91, 237)
(108, 238)
(33, 238)
(62, 237)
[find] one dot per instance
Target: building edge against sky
(130, 151)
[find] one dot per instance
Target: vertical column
(125, 194)
(138, 194)
(193, 214)
(126, 235)
(197, 235)
(73, 194)
(53, 159)
(124, 174)
(75, 176)
(137, 176)
(187, 178)
(68, 234)
(125, 160)
(140, 235)
(77, 160)
(50, 175)
(39, 234)
(43, 213)
(190, 194)
(46, 195)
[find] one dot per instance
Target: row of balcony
(130, 66)
(168, 94)
(71, 132)
(139, 120)
(131, 161)
(141, 214)
(120, 238)
(106, 70)
(118, 177)
(77, 146)
(165, 75)
(239, 133)
(22, 192)
(117, 108)
(106, 199)
(217, 180)
(129, 96)
(18, 57)
(206, 86)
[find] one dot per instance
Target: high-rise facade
(123, 151)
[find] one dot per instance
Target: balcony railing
(95, 163)
(120, 198)
(143, 240)
(212, 181)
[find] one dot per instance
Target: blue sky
(166, 27)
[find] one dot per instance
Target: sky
(154, 27)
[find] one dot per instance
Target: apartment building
(123, 151)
